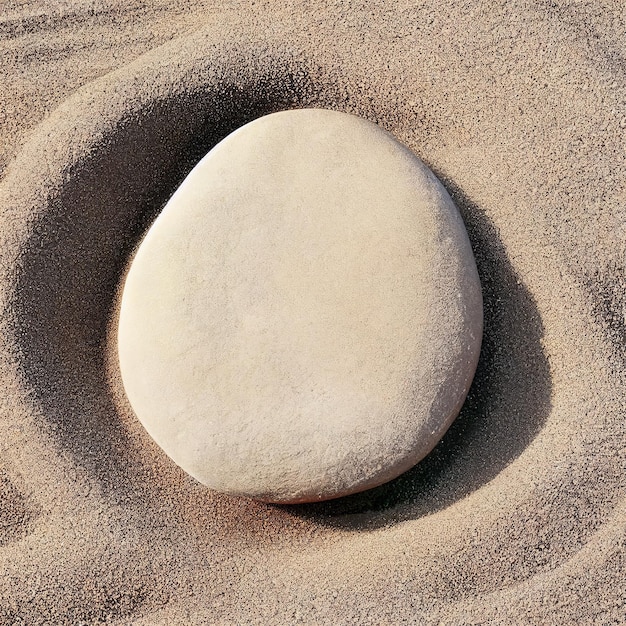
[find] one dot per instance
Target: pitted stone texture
(304, 318)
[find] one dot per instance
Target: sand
(519, 515)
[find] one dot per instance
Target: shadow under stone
(506, 407)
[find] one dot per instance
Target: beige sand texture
(519, 515)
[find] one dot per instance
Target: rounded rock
(303, 320)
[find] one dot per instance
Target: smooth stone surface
(304, 318)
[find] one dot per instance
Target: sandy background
(519, 515)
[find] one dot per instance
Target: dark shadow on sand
(73, 262)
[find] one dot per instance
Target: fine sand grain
(519, 515)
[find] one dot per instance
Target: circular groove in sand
(127, 136)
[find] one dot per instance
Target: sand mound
(518, 515)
